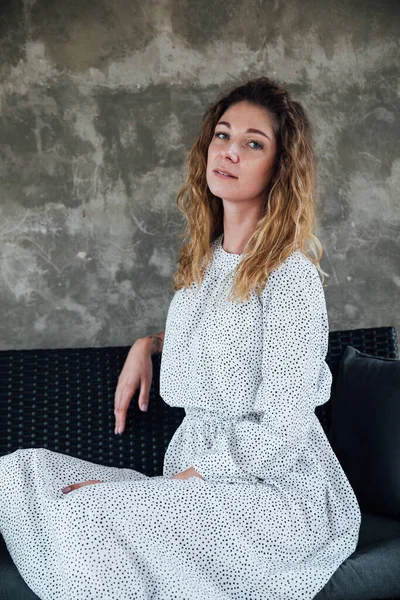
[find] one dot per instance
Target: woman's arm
(295, 378)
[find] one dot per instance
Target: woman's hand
(183, 475)
(137, 372)
(190, 472)
(75, 486)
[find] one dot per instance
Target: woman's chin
(219, 190)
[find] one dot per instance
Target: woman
(252, 503)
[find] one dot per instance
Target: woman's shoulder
(296, 272)
(296, 264)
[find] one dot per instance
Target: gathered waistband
(213, 417)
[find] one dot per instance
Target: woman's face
(248, 155)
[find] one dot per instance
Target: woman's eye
(258, 147)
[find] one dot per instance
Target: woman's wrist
(152, 343)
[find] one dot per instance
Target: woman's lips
(224, 176)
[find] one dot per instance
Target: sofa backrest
(63, 399)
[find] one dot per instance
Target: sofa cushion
(365, 433)
(12, 586)
(372, 571)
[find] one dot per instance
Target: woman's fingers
(75, 486)
(144, 394)
(121, 407)
(137, 372)
(123, 400)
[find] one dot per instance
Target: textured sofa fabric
(12, 586)
(64, 400)
(373, 570)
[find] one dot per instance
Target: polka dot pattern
(275, 515)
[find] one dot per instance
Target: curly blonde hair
(289, 212)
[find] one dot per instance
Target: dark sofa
(64, 400)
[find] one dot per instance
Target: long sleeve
(295, 379)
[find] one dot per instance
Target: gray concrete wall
(99, 105)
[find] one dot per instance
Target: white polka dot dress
(275, 515)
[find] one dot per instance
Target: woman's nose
(230, 152)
